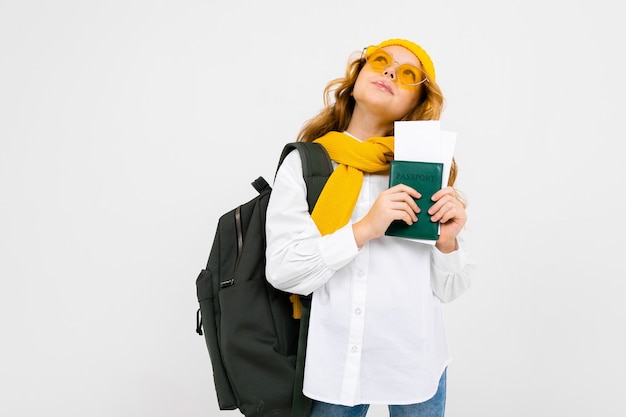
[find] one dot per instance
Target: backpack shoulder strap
(316, 167)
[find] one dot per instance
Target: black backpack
(256, 347)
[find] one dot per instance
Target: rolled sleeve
(450, 272)
(339, 248)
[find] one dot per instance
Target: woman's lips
(383, 86)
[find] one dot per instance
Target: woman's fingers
(446, 207)
(401, 202)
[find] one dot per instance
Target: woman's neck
(364, 127)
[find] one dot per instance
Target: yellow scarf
(338, 198)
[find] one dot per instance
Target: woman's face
(380, 94)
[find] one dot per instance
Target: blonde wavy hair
(339, 105)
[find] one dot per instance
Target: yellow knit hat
(417, 50)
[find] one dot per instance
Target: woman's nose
(390, 71)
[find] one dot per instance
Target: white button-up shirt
(376, 333)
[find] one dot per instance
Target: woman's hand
(450, 212)
(395, 203)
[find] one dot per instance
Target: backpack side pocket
(209, 312)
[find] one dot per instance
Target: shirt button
(357, 311)
(354, 349)
(360, 273)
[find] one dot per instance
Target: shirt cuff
(449, 262)
(338, 248)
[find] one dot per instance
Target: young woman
(376, 333)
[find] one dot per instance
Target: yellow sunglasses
(379, 60)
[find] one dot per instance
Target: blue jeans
(434, 407)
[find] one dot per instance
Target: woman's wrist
(362, 233)
(446, 246)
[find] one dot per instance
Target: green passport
(425, 178)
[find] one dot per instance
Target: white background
(128, 127)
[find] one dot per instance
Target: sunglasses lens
(409, 74)
(378, 59)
